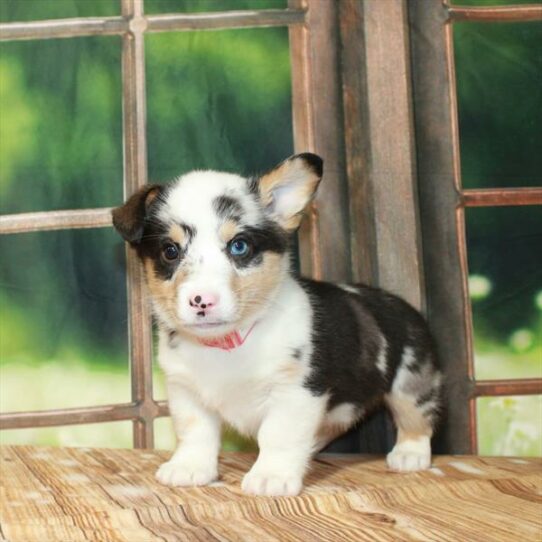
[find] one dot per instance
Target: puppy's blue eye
(239, 247)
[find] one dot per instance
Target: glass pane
(510, 425)
(60, 124)
(499, 93)
(172, 6)
(30, 10)
(96, 435)
(63, 320)
(505, 280)
(218, 100)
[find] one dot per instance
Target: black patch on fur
(431, 396)
(173, 338)
(266, 238)
(297, 352)
(347, 337)
(253, 184)
(313, 161)
(190, 232)
(228, 208)
(129, 218)
(156, 236)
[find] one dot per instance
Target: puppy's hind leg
(413, 402)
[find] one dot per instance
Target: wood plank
(68, 416)
(81, 415)
(63, 28)
(445, 263)
(380, 163)
(134, 117)
(95, 494)
(167, 22)
(224, 20)
(357, 135)
(491, 197)
(324, 238)
(389, 148)
(496, 14)
(519, 386)
(55, 220)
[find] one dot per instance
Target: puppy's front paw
(257, 482)
(184, 473)
(408, 461)
(410, 455)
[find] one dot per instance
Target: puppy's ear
(129, 218)
(287, 190)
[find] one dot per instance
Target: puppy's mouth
(213, 328)
(208, 325)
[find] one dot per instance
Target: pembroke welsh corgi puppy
(243, 340)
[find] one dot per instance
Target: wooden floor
(73, 494)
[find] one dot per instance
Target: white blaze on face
(206, 267)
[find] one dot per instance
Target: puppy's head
(215, 245)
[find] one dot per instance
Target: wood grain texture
(134, 117)
(496, 14)
(324, 238)
(390, 153)
(108, 26)
(442, 222)
(79, 494)
(491, 197)
(55, 220)
(358, 143)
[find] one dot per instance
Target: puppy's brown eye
(170, 252)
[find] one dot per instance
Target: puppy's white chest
(236, 384)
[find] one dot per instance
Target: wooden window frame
(443, 201)
(309, 31)
(379, 217)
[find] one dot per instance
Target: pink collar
(229, 342)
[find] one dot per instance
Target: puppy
(242, 340)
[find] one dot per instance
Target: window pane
(510, 425)
(97, 435)
(505, 278)
(63, 320)
(172, 6)
(499, 92)
(30, 10)
(60, 124)
(218, 100)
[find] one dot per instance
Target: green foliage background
(221, 100)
